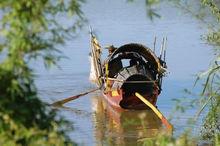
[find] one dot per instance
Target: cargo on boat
(128, 69)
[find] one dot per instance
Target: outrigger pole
(63, 101)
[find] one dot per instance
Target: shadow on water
(122, 127)
(74, 111)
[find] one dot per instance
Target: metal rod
(162, 48)
(155, 41)
(165, 50)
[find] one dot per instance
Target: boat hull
(117, 99)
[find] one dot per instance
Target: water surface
(116, 22)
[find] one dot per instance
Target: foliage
(208, 12)
(18, 134)
(167, 140)
(212, 77)
(151, 10)
(31, 30)
(183, 140)
(213, 37)
(211, 89)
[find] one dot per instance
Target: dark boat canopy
(142, 50)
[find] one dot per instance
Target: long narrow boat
(128, 69)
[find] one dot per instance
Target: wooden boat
(128, 69)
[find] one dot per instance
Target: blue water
(117, 22)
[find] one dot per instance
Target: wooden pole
(63, 101)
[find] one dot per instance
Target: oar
(156, 111)
(61, 102)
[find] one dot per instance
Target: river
(117, 22)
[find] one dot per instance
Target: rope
(123, 81)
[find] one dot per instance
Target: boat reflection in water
(122, 127)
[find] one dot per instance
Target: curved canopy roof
(144, 51)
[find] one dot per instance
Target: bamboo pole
(63, 101)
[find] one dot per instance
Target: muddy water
(116, 22)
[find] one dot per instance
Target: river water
(117, 22)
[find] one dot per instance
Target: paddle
(156, 111)
(61, 102)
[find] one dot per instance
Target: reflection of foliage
(130, 122)
(184, 103)
(30, 30)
